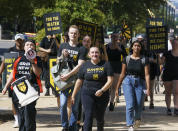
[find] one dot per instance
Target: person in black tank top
(170, 77)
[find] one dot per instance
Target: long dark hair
(142, 51)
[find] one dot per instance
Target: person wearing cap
(31, 67)
(170, 76)
(140, 38)
(18, 48)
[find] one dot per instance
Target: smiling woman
(95, 76)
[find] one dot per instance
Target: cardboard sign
(86, 28)
(157, 39)
(9, 59)
(155, 22)
(52, 22)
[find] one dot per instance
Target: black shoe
(169, 113)
(47, 92)
(175, 112)
(79, 126)
(146, 98)
(151, 106)
(111, 106)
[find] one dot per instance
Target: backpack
(128, 59)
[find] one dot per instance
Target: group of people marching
(100, 75)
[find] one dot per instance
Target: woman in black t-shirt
(134, 70)
(114, 52)
(95, 77)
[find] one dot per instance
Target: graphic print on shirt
(24, 68)
(73, 54)
(95, 71)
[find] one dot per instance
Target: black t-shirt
(14, 50)
(75, 53)
(136, 67)
(45, 43)
(115, 54)
(171, 62)
(24, 68)
(94, 76)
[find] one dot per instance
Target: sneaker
(151, 106)
(65, 129)
(16, 124)
(117, 100)
(175, 112)
(79, 126)
(137, 123)
(169, 113)
(111, 106)
(131, 128)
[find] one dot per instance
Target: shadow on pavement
(113, 120)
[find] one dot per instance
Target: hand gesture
(4, 91)
(116, 92)
(148, 92)
(54, 36)
(64, 77)
(48, 50)
(99, 93)
(65, 53)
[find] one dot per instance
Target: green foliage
(101, 12)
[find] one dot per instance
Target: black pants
(94, 106)
(27, 121)
(26, 115)
(46, 74)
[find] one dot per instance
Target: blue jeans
(71, 124)
(134, 97)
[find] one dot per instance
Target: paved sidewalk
(48, 118)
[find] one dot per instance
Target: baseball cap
(140, 36)
(19, 36)
(171, 36)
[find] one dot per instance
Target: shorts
(169, 75)
(116, 67)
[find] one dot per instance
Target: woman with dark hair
(29, 66)
(135, 71)
(114, 52)
(170, 77)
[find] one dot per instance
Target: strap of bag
(52, 43)
(127, 59)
